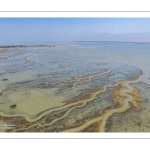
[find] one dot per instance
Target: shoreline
(116, 42)
(25, 46)
(53, 45)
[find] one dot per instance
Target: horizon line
(52, 44)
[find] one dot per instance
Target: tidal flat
(75, 87)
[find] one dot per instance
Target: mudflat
(75, 87)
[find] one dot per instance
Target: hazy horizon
(24, 31)
(68, 42)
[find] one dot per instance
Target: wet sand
(35, 84)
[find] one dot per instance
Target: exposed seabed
(67, 88)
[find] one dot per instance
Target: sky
(47, 30)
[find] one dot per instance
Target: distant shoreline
(24, 46)
(117, 42)
(42, 45)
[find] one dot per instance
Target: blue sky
(47, 30)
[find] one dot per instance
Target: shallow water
(37, 82)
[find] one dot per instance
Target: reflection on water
(74, 87)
